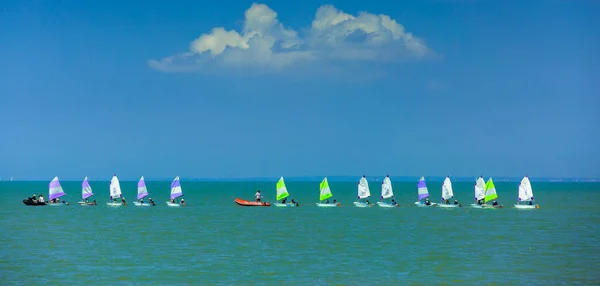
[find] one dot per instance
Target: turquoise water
(214, 241)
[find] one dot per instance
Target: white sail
(363, 188)
(115, 188)
(447, 192)
(525, 190)
(386, 188)
(479, 189)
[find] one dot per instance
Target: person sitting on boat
(447, 202)
(284, 201)
(257, 196)
(123, 201)
(456, 202)
(427, 202)
(495, 203)
(172, 201)
(394, 202)
(368, 203)
(294, 202)
(41, 199)
(531, 203)
(334, 201)
(34, 198)
(150, 201)
(182, 202)
(327, 201)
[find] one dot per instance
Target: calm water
(214, 241)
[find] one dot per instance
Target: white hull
(84, 204)
(328, 205)
(117, 204)
(422, 205)
(138, 204)
(362, 205)
(387, 205)
(174, 205)
(56, 204)
(485, 206)
(447, 206)
(284, 205)
(527, 207)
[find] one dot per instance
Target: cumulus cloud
(265, 43)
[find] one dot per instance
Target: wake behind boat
(325, 194)
(526, 195)
(363, 193)
(386, 193)
(282, 194)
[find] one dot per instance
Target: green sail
(325, 191)
(490, 191)
(282, 192)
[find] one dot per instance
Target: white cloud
(264, 43)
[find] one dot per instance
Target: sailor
(327, 201)
(427, 202)
(41, 199)
(495, 203)
(182, 202)
(284, 201)
(151, 201)
(456, 202)
(394, 202)
(258, 196)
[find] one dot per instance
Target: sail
(479, 189)
(86, 189)
(325, 191)
(282, 192)
(56, 191)
(447, 192)
(386, 188)
(490, 191)
(525, 190)
(422, 189)
(363, 188)
(176, 188)
(115, 188)
(142, 191)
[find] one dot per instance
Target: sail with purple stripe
(86, 189)
(176, 188)
(56, 191)
(142, 190)
(422, 189)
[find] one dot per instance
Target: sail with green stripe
(325, 191)
(490, 191)
(282, 192)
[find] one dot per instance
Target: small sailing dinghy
(479, 193)
(363, 193)
(423, 194)
(115, 192)
(325, 194)
(490, 195)
(447, 194)
(386, 193)
(55, 192)
(142, 192)
(526, 195)
(176, 192)
(86, 193)
(282, 194)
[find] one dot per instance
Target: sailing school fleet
(485, 195)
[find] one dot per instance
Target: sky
(242, 89)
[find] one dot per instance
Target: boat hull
(527, 207)
(173, 205)
(485, 206)
(422, 205)
(285, 205)
(84, 204)
(449, 206)
(138, 204)
(362, 205)
(114, 204)
(57, 204)
(30, 202)
(387, 205)
(321, 205)
(247, 203)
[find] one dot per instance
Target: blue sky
(310, 88)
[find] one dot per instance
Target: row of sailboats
(116, 197)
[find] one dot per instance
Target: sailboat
(55, 192)
(142, 192)
(282, 193)
(325, 194)
(526, 195)
(386, 193)
(115, 192)
(176, 192)
(423, 194)
(86, 193)
(447, 194)
(479, 192)
(490, 194)
(363, 193)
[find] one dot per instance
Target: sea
(213, 241)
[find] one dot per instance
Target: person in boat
(495, 203)
(123, 201)
(150, 201)
(368, 203)
(394, 202)
(34, 198)
(427, 202)
(41, 199)
(94, 203)
(182, 202)
(456, 202)
(334, 201)
(257, 196)
(294, 202)
(284, 201)
(141, 201)
(447, 202)
(327, 201)
(531, 203)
